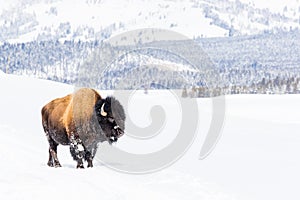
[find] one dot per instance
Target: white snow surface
(256, 157)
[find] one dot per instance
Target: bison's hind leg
(53, 160)
(77, 150)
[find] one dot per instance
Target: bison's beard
(115, 134)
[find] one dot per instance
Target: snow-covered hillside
(256, 158)
(22, 21)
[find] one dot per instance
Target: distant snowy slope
(286, 7)
(22, 21)
(85, 20)
(252, 17)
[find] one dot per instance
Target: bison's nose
(121, 132)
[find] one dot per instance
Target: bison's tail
(45, 119)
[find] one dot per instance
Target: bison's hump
(83, 103)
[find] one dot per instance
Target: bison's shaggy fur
(82, 120)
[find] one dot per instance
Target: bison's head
(111, 117)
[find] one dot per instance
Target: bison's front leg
(89, 159)
(77, 150)
(90, 154)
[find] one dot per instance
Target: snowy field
(257, 156)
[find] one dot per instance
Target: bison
(82, 120)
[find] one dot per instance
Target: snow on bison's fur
(82, 120)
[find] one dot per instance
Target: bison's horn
(103, 113)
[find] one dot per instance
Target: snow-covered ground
(257, 156)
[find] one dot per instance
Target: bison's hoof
(90, 166)
(57, 165)
(90, 163)
(50, 164)
(80, 166)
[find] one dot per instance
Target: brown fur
(59, 114)
(72, 114)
